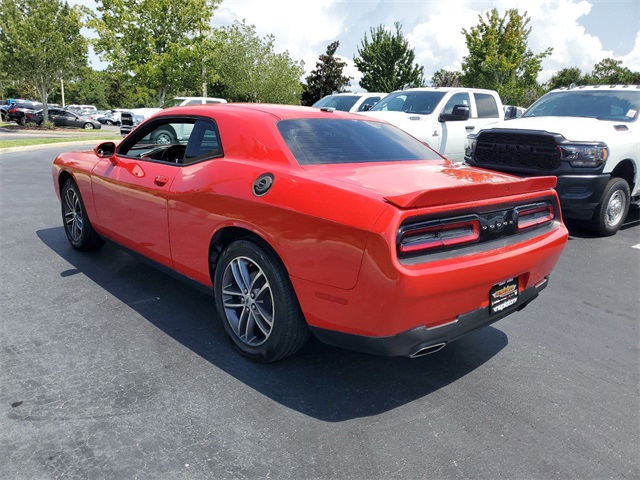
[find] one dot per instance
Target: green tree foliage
(566, 77)
(250, 71)
(446, 78)
(499, 58)
(387, 62)
(41, 43)
(326, 78)
(611, 72)
(159, 42)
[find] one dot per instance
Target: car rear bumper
(423, 340)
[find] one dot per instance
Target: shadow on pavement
(323, 382)
(580, 229)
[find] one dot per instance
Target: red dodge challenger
(316, 221)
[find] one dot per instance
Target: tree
(157, 41)
(566, 77)
(250, 71)
(326, 78)
(386, 62)
(41, 43)
(499, 58)
(446, 78)
(611, 72)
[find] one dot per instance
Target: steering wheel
(174, 153)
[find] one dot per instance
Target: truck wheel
(613, 207)
(164, 136)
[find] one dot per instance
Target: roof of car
(279, 111)
(598, 87)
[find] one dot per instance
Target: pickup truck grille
(520, 151)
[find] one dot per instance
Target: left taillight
(438, 234)
(535, 215)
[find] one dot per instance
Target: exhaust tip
(427, 350)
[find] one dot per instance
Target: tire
(22, 121)
(109, 122)
(77, 226)
(163, 136)
(256, 303)
(613, 208)
(88, 126)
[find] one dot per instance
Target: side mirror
(366, 107)
(460, 113)
(106, 150)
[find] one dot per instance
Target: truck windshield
(615, 105)
(423, 103)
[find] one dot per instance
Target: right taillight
(535, 215)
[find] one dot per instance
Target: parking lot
(110, 368)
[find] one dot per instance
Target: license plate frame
(503, 295)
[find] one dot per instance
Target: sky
(581, 32)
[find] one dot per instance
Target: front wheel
(613, 207)
(256, 303)
(77, 226)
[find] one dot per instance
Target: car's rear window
(316, 141)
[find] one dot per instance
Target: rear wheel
(613, 207)
(88, 126)
(77, 226)
(22, 120)
(256, 303)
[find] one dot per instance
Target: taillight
(535, 215)
(439, 234)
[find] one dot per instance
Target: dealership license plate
(503, 295)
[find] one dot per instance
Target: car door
(454, 132)
(131, 191)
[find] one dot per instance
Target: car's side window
(177, 141)
(487, 106)
(461, 98)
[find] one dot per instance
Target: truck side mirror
(458, 114)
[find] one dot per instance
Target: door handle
(160, 180)
(470, 128)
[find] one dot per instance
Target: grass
(27, 142)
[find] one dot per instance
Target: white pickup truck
(587, 137)
(442, 117)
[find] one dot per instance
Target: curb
(48, 145)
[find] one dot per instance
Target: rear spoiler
(471, 192)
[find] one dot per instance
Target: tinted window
(487, 106)
(456, 99)
(369, 101)
(326, 141)
(409, 101)
(339, 102)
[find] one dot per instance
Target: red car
(304, 220)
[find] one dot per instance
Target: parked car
(17, 111)
(587, 137)
(130, 119)
(441, 117)
(182, 101)
(64, 118)
(302, 220)
(350, 102)
(110, 118)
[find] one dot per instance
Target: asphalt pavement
(111, 369)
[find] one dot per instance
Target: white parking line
(636, 246)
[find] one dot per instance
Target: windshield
(325, 141)
(409, 101)
(615, 105)
(339, 102)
